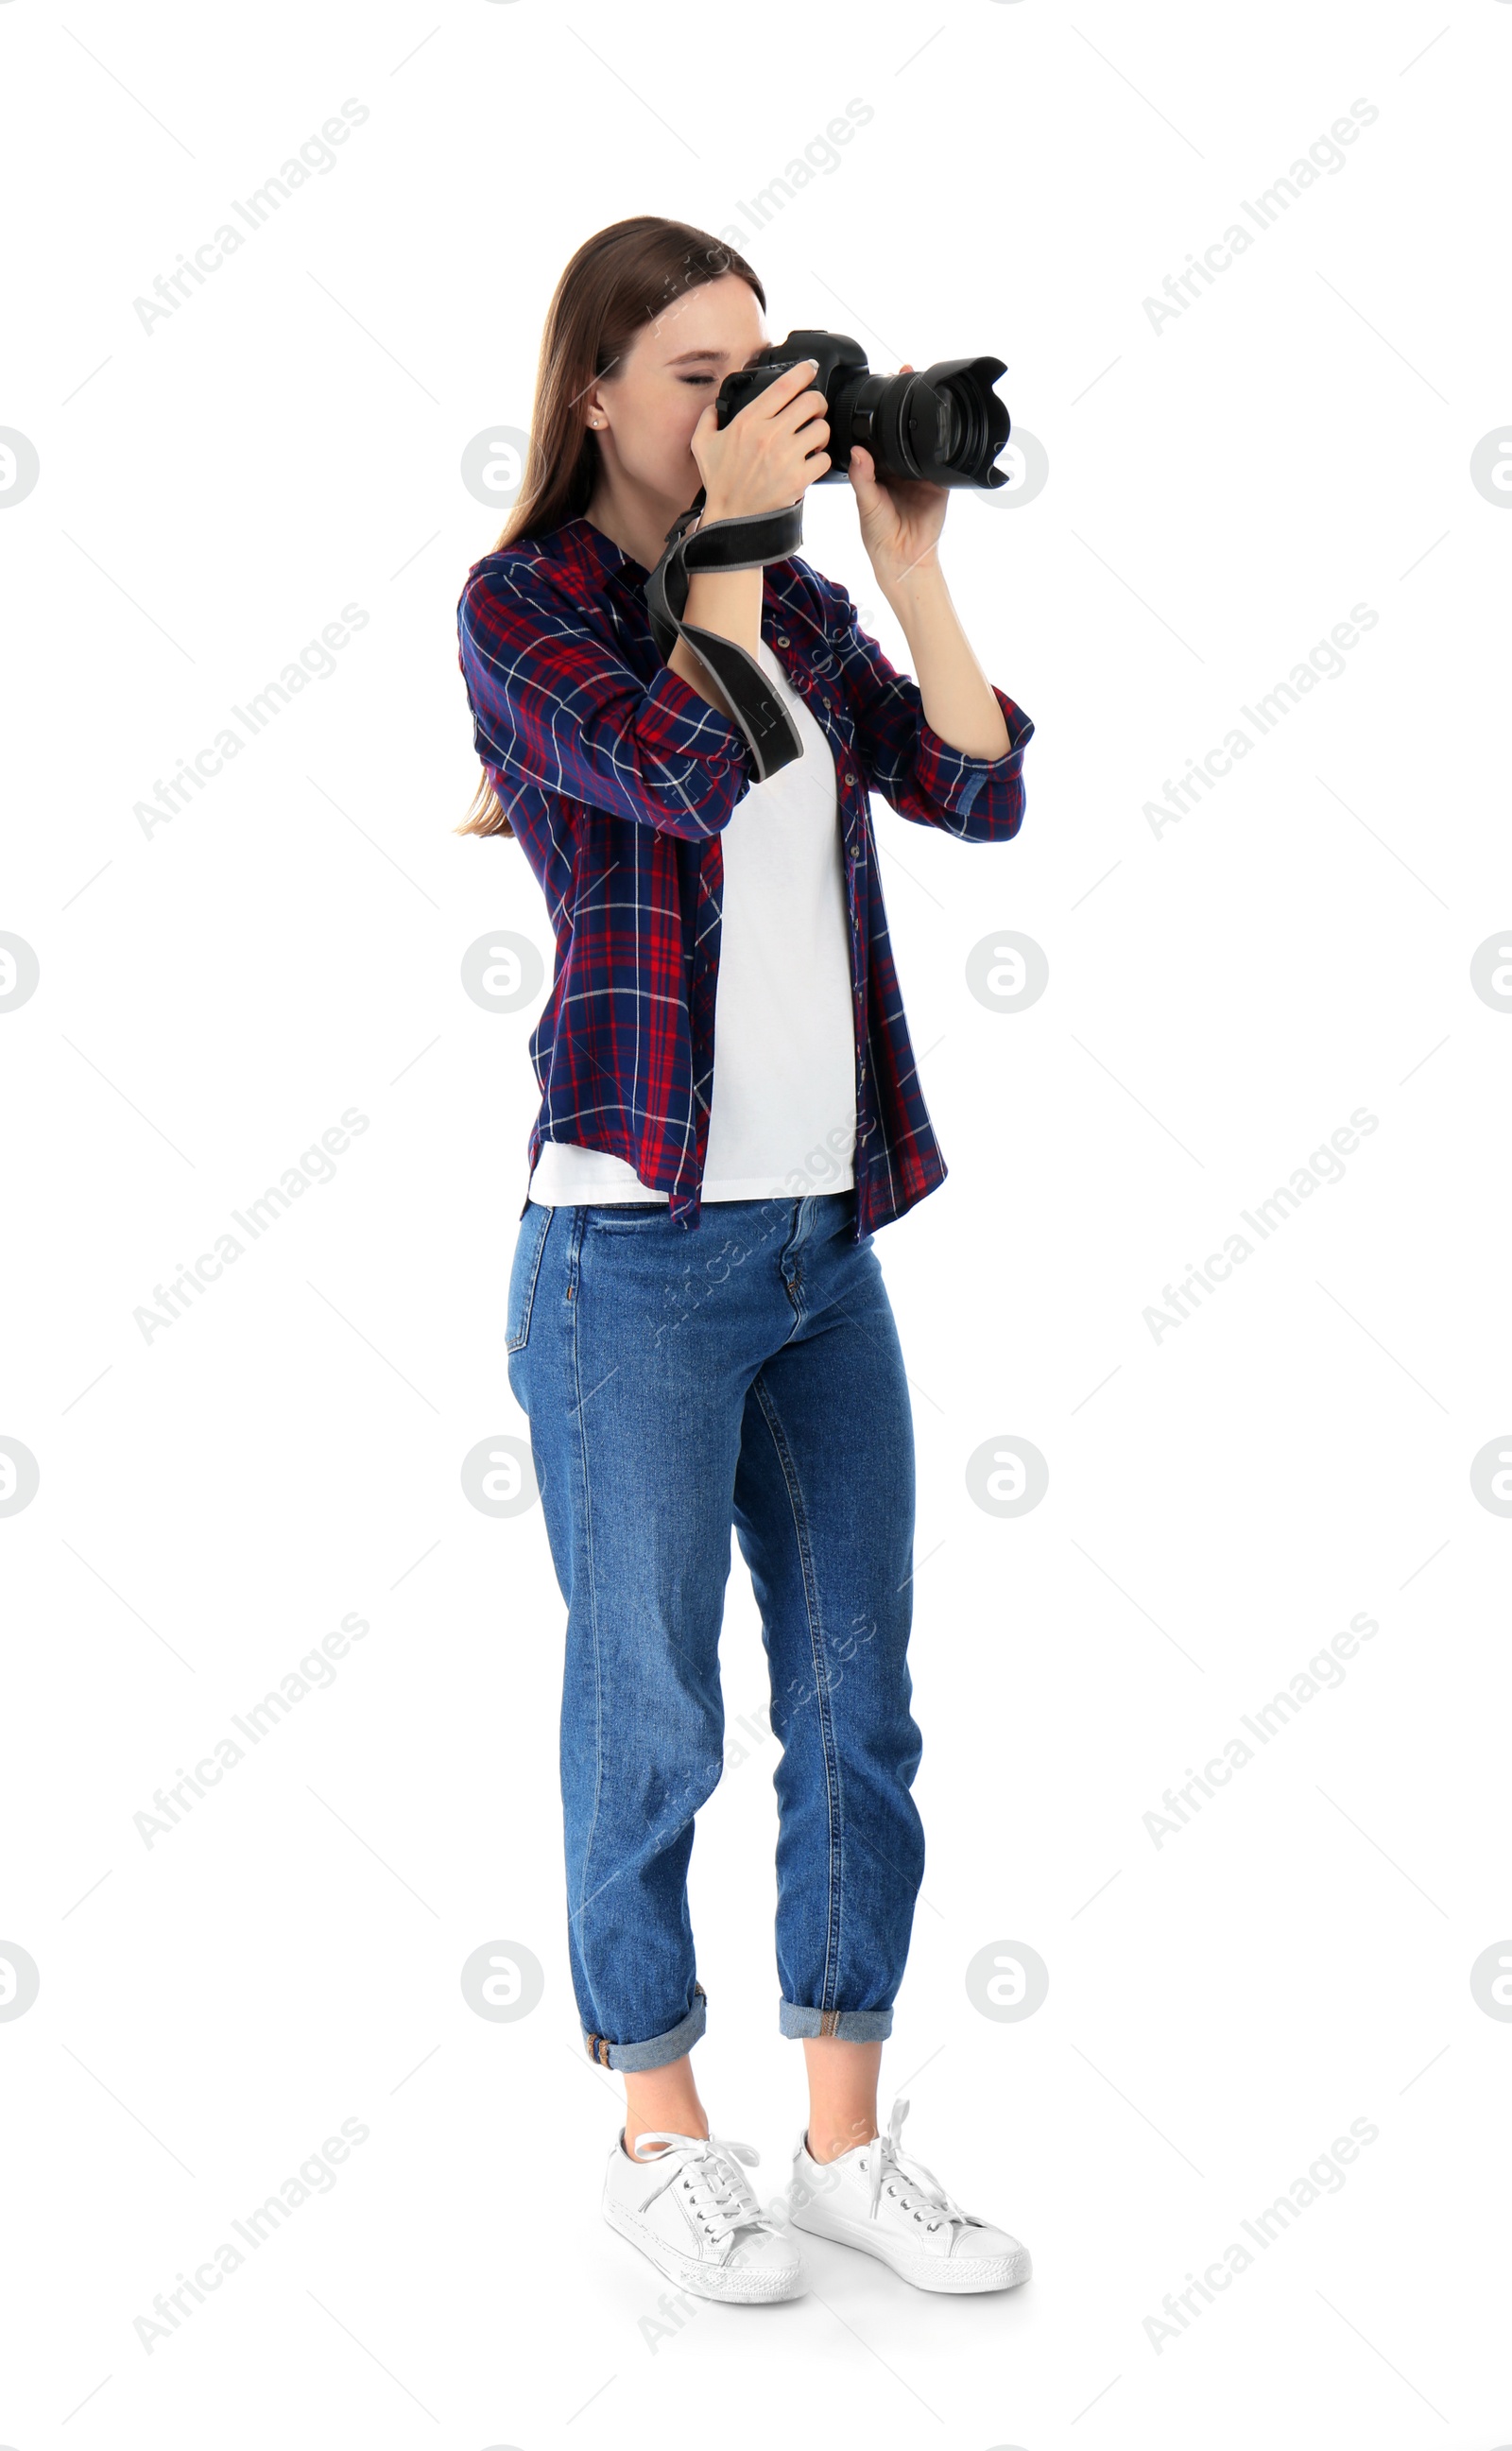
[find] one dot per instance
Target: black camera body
(945, 426)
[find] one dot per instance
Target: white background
(1222, 996)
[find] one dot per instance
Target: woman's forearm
(958, 701)
(729, 603)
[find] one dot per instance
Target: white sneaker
(691, 2208)
(889, 2205)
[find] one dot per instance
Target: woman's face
(668, 375)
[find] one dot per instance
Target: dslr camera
(945, 426)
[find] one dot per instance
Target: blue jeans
(677, 1382)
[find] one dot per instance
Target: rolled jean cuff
(662, 2047)
(848, 2025)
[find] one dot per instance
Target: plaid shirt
(617, 779)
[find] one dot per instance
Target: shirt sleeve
(979, 799)
(553, 704)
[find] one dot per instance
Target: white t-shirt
(784, 1104)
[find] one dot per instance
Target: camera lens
(968, 427)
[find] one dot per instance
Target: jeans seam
(836, 1894)
(573, 1279)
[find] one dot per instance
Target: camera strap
(742, 543)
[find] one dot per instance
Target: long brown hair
(620, 280)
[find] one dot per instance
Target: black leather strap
(742, 543)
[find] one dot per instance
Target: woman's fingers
(781, 392)
(801, 411)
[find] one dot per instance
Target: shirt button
(783, 643)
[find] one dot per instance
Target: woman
(698, 1328)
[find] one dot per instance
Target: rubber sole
(742, 2288)
(966, 2278)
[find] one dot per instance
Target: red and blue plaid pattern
(618, 778)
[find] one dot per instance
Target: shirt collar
(585, 548)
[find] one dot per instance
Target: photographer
(724, 1035)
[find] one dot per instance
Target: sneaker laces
(914, 2188)
(706, 2169)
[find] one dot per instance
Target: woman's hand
(770, 451)
(900, 524)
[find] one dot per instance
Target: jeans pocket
(529, 1245)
